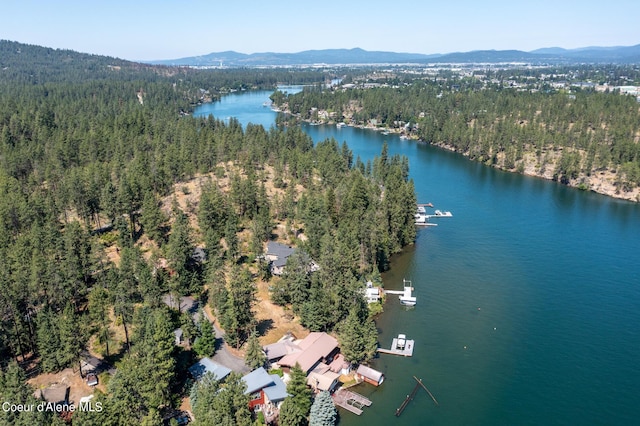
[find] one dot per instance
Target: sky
(171, 29)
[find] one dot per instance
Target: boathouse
(369, 375)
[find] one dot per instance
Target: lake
(528, 297)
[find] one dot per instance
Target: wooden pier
(410, 397)
(407, 350)
(350, 401)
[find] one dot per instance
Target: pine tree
(237, 317)
(179, 250)
(15, 390)
(296, 279)
(225, 404)
(231, 238)
(152, 219)
(189, 329)
(323, 411)
(358, 337)
(205, 344)
(48, 337)
(298, 389)
(72, 337)
(291, 414)
(99, 315)
(255, 356)
(315, 313)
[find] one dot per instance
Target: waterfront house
(285, 346)
(315, 348)
(321, 378)
(371, 293)
(317, 355)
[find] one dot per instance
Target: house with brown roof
(317, 355)
(321, 378)
(315, 348)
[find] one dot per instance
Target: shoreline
(603, 182)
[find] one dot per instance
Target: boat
(406, 298)
(442, 214)
(340, 125)
(401, 342)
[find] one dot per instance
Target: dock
(398, 349)
(350, 401)
(407, 400)
(410, 397)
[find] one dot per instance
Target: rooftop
(313, 348)
(277, 391)
(256, 380)
(369, 372)
(207, 365)
(279, 250)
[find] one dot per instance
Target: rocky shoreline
(602, 182)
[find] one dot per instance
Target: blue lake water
(528, 297)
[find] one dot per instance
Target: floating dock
(399, 349)
(350, 401)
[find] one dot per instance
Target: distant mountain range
(551, 55)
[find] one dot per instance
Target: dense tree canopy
(578, 132)
(91, 149)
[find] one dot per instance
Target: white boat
(340, 125)
(406, 298)
(401, 342)
(442, 214)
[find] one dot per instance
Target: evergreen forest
(547, 122)
(96, 158)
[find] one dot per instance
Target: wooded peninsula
(101, 237)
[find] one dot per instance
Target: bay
(528, 297)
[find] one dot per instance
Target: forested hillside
(579, 137)
(91, 149)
